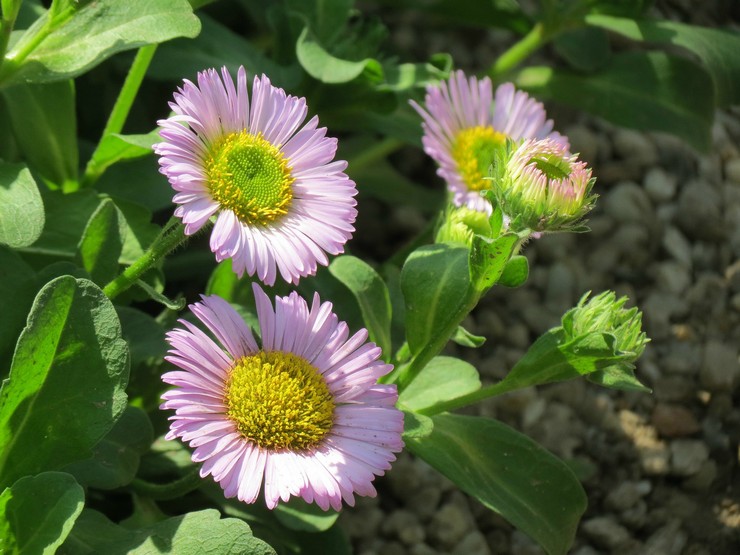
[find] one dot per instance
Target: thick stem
(7, 22)
(171, 237)
(519, 51)
(122, 107)
(163, 492)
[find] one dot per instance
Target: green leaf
(45, 126)
(137, 181)
(325, 67)
(143, 334)
(585, 48)
(443, 379)
(489, 258)
(372, 295)
(18, 287)
(466, 339)
(217, 46)
(96, 31)
(101, 243)
(21, 207)
(509, 473)
(717, 49)
(195, 532)
(416, 426)
(326, 17)
(115, 458)
(70, 360)
(296, 514)
(140, 231)
(38, 512)
(116, 147)
(642, 90)
(402, 77)
(515, 272)
(618, 376)
(66, 219)
(434, 281)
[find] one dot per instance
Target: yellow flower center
(474, 151)
(250, 177)
(279, 401)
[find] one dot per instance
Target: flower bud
(460, 224)
(541, 187)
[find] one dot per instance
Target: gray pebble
(672, 276)
(720, 369)
(473, 543)
(627, 494)
(627, 202)
(676, 244)
(606, 532)
(732, 170)
(634, 146)
(700, 212)
(560, 291)
(405, 526)
(450, 524)
(668, 540)
(688, 456)
(659, 185)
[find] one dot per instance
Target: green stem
(375, 152)
(16, 57)
(163, 492)
(535, 39)
(122, 107)
(404, 375)
(171, 236)
(474, 397)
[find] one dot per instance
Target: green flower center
(474, 151)
(249, 176)
(553, 166)
(279, 401)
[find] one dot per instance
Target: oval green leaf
(509, 473)
(21, 207)
(443, 379)
(70, 360)
(38, 512)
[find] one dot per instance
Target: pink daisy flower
(302, 412)
(280, 202)
(464, 126)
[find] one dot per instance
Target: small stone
(474, 543)
(422, 549)
(362, 523)
(674, 421)
(560, 290)
(627, 202)
(720, 369)
(700, 212)
(659, 185)
(673, 277)
(677, 246)
(635, 147)
(636, 516)
(521, 544)
(626, 495)
(584, 142)
(405, 526)
(668, 540)
(674, 389)
(732, 170)
(585, 550)
(404, 478)
(424, 502)
(450, 524)
(605, 532)
(688, 456)
(702, 481)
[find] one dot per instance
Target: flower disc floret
(302, 413)
(465, 125)
(268, 178)
(279, 401)
(250, 177)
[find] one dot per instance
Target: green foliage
(509, 473)
(717, 49)
(435, 281)
(488, 259)
(45, 126)
(643, 90)
(18, 285)
(59, 47)
(371, 294)
(442, 379)
(21, 207)
(70, 358)
(102, 242)
(38, 512)
(196, 532)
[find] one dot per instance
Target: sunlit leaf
(21, 208)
